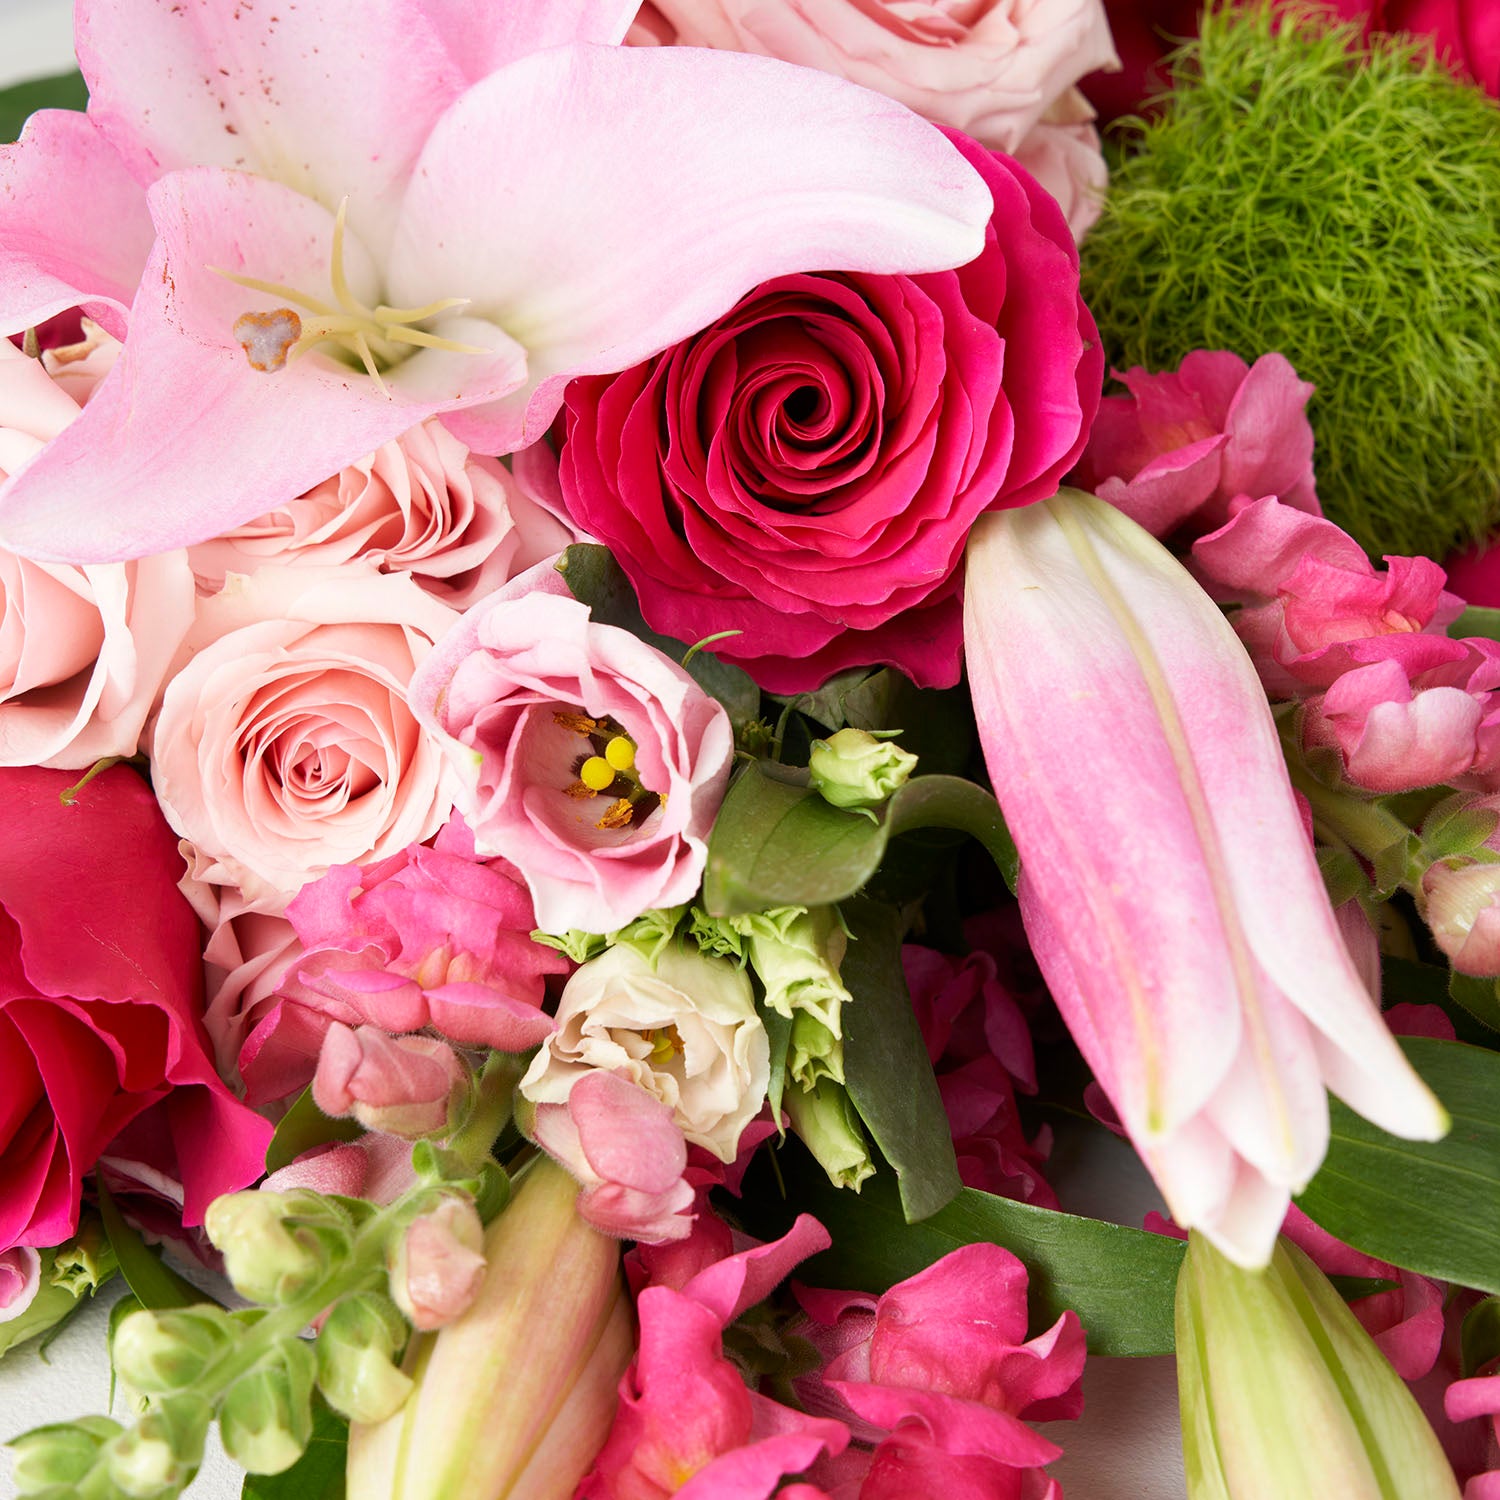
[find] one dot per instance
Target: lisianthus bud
(411, 1086)
(161, 1453)
(816, 1053)
(266, 1416)
(158, 1352)
(1283, 1393)
(57, 1457)
(276, 1245)
(355, 1348)
(517, 1395)
(826, 1122)
(437, 1266)
(855, 769)
(797, 953)
(1462, 907)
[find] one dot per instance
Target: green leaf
(1477, 620)
(1430, 1206)
(1405, 981)
(63, 91)
(1121, 1282)
(886, 1070)
(154, 1283)
(1478, 997)
(304, 1126)
(596, 579)
(318, 1474)
(776, 842)
(779, 1034)
(1479, 1339)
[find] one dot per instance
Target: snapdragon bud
(855, 769)
(161, 1453)
(277, 1245)
(437, 1265)
(1462, 907)
(824, 1119)
(54, 1460)
(356, 1348)
(159, 1352)
(265, 1419)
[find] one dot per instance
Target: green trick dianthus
(1337, 201)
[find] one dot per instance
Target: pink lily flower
(1169, 888)
(365, 213)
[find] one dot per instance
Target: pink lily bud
(1462, 907)
(437, 1266)
(402, 1085)
(1169, 889)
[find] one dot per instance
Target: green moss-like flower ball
(1338, 202)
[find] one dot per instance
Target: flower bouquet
(648, 647)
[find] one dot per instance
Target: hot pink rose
(83, 650)
(988, 67)
(422, 504)
(806, 469)
(285, 744)
(100, 1004)
(1062, 152)
(526, 689)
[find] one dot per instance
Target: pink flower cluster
(926, 1389)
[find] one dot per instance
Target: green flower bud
(714, 937)
(580, 946)
(855, 769)
(825, 1120)
(47, 1308)
(86, 1261)
(161, 1453)
(265, 1419)
(651, 932)
(1283, 1394)
(816, 1053)
(277, 1245)
(355, 1350)
(160, 1352)
(55, 1458)
(797, 952)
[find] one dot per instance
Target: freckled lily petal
(331, 97)
(88, 253)
(236, 436)
(486, 36)
(647, 189)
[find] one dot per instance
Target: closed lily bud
(1169, 888)
(276, 1245)
(56, 1458)
(159, 1352)
(437, 1265)
(1284, 1395)
(355, 1348)
(516, 1397)
(856, 769)
(265, 1419)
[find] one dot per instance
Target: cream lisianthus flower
(686, 1031)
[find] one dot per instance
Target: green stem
(494, 1101)
(1365, 827)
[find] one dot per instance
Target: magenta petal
(82, 250)
(738, 1282)
(620, 231)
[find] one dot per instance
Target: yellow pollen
(596, 773)
(620, 753)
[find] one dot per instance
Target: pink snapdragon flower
(507, 201)
(411, 1086)
(438, 1265)
(431, 937)
(1177, 450)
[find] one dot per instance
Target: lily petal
(87, 253)
(483, 36)
(197, 440)
(646, 189)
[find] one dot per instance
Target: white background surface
(1126, 1448)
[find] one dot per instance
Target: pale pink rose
(988, 67)
(83, 650)
(524, 690)
(421, 504)
(1062, 152)
(285, 744)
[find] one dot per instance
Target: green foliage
(65, 91)
(1340, 203)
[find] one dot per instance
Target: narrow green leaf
(154, 1283)
(776, 842)
(21, 100)
(596, 579)
(1477, 620)
(886, 1071)
(1430, 1206)
(318, 1474)
(779, 1034)
(1121, 1282)
(304, 1126)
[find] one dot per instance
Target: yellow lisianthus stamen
(620, 753)
(596, 773)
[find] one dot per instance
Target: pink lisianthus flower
(1177, 450)
(20, 1278)
(431, 937)
(805, 470)
(84, 651)
(421, 504)
(509, 200)
(525, 690)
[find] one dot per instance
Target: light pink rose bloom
(1062, 152)
(511, 690)
(83, 650)
(988, 67)
(285, 744)
(420, 504)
